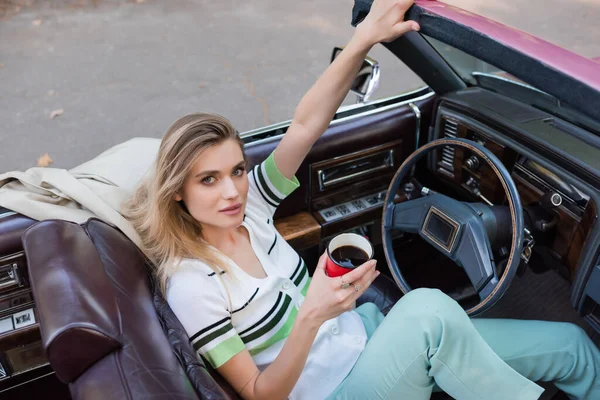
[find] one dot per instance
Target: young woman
(250, 309)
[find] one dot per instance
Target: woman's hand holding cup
(329, 297)
(346, 252)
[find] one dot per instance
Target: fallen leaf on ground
(37, 22)
(1, 65)
(44, 161)
(202, 85)
(139, 1)
(56, 113)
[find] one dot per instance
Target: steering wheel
(461, 231)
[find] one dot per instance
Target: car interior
(480, 184)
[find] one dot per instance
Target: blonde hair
(168, 232)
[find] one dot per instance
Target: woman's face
(216, 188)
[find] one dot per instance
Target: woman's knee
(429, 296)
(431, 314)
(427, 301)
(575, 350)
(567, 332)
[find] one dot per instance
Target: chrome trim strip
(417, 112)
(9, 268)
(263, 129)
(12, 256)
(9, 276)
(529, 176)
(335, 122)
(30, 380)
(324, 184)
(388, 163)
(350, 107)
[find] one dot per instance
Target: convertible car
(483, 183)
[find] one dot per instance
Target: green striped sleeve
(281, 334)
(223, 352)
(215, 334)
(305, 288)
(283, 185)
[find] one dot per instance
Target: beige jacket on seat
(96, 188)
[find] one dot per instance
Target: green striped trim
(208, 328)
(273, 245)
(271, 324)
(302, 274)
(285, 330)
(224, 351)
(284, 185)
(300, 262)
(305, 288)
(266, 187)
(209, 338)
(263, 319)
(281, 334)
(259, 188)
(246, 304)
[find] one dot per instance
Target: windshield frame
(570, 78)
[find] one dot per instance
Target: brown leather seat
(106, 329)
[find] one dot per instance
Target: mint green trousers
(428, 339)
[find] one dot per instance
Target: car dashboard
(554, 170)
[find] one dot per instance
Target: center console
(348, 192)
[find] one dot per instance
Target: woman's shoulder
(192, 274)
(195, 296)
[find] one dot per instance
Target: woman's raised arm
(384, 23)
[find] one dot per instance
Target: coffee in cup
(346, 252)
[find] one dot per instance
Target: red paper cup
(333, 268)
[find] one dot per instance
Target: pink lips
(233, 210)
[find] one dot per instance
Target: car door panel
(347, 136)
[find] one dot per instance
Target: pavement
(109, 70)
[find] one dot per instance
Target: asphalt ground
(121, 69)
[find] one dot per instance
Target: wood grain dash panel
(580, 236)
(19, 337)
(567, 221)
(300, 230)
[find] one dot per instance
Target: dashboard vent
(446, 164)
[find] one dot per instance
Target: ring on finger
(356, 287)
(345, 285)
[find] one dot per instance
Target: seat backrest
(106, 328)
(91, 283)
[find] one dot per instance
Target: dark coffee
(349, 256)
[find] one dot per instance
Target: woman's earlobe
(177, 197)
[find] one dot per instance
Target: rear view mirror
(366, 80)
